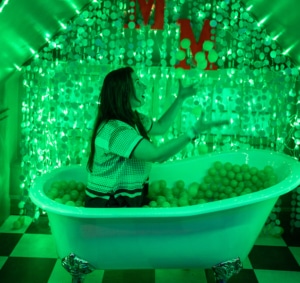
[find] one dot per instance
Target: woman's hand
(188, 91)
(201, 125)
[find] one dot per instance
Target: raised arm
(166, 120)
(147, 151)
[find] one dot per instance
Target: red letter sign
(147, 8)
(186, 32)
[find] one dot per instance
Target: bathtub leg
(77, 267)
(224, 270)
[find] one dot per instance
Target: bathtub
(216, 235)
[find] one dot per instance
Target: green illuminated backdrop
(242, 73)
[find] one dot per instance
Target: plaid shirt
(114, 172)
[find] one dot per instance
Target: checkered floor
(28, 255)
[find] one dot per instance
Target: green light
(17, 67)
(62, 25)
(249, 8)
(277, 36)
(262, 21)
(3, 5)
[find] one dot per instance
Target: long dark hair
(114, 104)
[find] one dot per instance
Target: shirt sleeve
(123, 140)
(146, 121)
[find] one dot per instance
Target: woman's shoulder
(114, 124)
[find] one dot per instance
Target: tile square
(296, 253)
(27, 270)
(245, 275)
(292, 238)
(273, 258)
(35, 245)
(2, 260)
(129, 276)
(268, 240)
(276, 276)
(8, 242)
(8, 225)
(180, 275)
(40, 226)
(59, 274)
(247, 264)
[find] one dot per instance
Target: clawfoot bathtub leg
(77, 267)
(224, 270)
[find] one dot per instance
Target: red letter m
(147, 8)
(186, 32)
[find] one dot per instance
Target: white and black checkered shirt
(114, 172)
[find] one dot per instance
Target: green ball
(268, 169)
(201, 201)
(153, 203)
(183, 201)
(200, 194)
(245, 168)
(223, 172)
(233, 194)
(239, 177)
(66, 198)
(204, 186)
(247, 176)
(218, 165)
(59, 200)
(236, 169)
(212, 172)
(253, 170)
(241, 185)
(230, 175)
(233, 183)
(208, 179)
(70, 203)
(225, 181)
(254, 179)
(209, 194)
(222, 196)
(261, 175)
(193, 189)
(160, 199)
(217, 180)
(216, 195)
(74, 194)
(247, 191)
(166, 204)
(228, 166)
(214, 187)
(228, 190)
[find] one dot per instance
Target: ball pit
(222, 181)
(70, 193)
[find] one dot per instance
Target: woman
(121, 151)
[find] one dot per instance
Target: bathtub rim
(40, 199)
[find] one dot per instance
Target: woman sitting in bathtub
(121, 151)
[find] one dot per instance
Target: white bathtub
(198, 236)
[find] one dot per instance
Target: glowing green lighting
(277, 36)
(63, 25)
(3, 5)
(262, 21)
(249, 8)
(286, 51)
(18, 68)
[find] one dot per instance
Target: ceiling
(24, 26)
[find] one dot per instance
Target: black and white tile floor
(28, 255)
